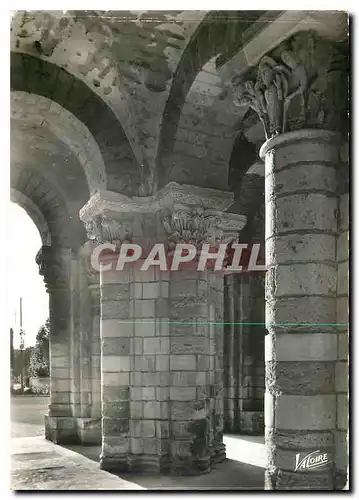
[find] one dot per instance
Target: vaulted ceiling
(128, 100)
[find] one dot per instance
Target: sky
(25, 280)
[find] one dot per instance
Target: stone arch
(34, 213)
(36, 76)
(47, 206)
(217, 39)
(38, 111)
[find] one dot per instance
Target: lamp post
(22, 344)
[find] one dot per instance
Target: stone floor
(40, 465)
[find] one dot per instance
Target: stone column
(161, 337)
(301, 223)
(195, 317)
(300, 96)
(54, 266)
(89, 423)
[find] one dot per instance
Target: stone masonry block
(190, 378)
(162, 429)
(186, 288)
(183, 362)
(151, 290)
(136, 409)
(300, 377)
(313, 211)
(162, 308)
(136, 290)
(111, 393)
(342, 310)
(343, 278)
(203, 362)
(301, 347)
(303, 279)
(342, 412)
(344, 212)
(136, 393)
(162, 393)
(136, 446)
(152, 345)
(145, 327)
(148, 393)
(116, 328)
(115, 427)
(162, 363)
(341, 450)
(185, 410)
(136, 345)
(148, 428)
(117, 277)
(305, 412)
(341, 377)
(116, 346)
(115, 445)
(115, 379)
(116, 363)
(313, 153)
(117, 292)
(144, 308)
(183, 393)
(116, 409)
(343, 346)
(145, 363)
(307, 310)
(184, 345)
(298, 440)
(115, 309)
(164, 289)
(302, 177)
(152, 409)
(343, 246)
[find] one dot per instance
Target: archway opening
(29, 309)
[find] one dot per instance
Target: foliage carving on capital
(108, 230)
(303, 83)
(51, 267)
(196, 226)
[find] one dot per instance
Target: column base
(89, 431)
(340, 480)
(165, 464)
(289, 480)
(61, 430)
(219, 453)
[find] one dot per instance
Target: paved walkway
(38, 464)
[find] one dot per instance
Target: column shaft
(301, 230)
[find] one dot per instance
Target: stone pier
(54, 266)
(301, 344)
(161, 333)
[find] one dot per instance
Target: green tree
(39, 358)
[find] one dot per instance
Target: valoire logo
(313, 460)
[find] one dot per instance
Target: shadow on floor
(228, 475)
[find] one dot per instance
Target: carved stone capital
(51, 267)
(302, 84)
(198, 225)
(108, 230)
